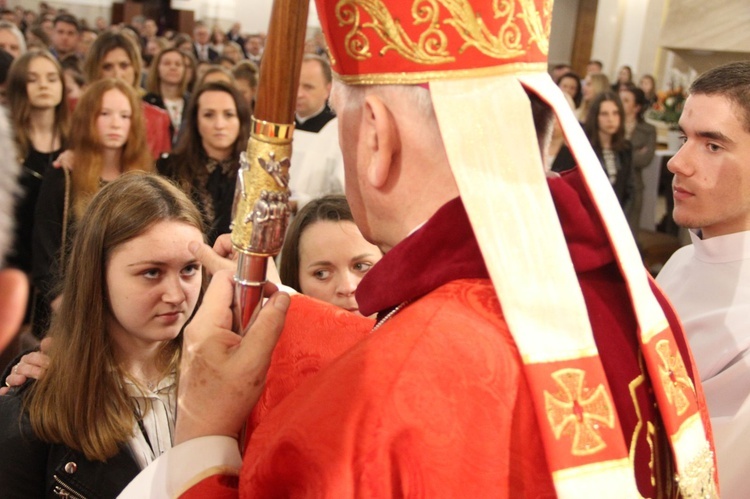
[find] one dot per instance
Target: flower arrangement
(668, 107)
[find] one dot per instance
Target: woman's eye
(362, 266)
(151, 273)
(191, 270)
(322, 274)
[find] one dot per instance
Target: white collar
(721, 249)
(313, 115)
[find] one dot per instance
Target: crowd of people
(184, 98)
(456, 329)
(102, 116)
(613, 119)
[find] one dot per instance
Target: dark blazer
(156, 100)
(212, 54)
(643, 141)
(32, 468)
(237, 38)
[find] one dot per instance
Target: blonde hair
(80, 402)
(153, 81)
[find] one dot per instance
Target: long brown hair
(591, 125)
(332, 208)
(20, 107)
(153, 81)
(80, 401)
(192, 157)
(86, 143)
(103, 45)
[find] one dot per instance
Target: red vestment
(435, 403)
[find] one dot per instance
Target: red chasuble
(434, 402)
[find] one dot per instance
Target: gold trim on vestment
(417, 77)
(547, 356)
(214, 470)
(696, 480)
(611, 479)
(654, 331)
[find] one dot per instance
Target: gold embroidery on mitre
(697, 480)
(674, 377)
(578, 410)
(432, 46)
(430, 49)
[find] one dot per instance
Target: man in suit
(202, 43)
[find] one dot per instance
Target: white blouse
(155, 415)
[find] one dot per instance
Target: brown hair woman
(325, 255)
(106, 406)
(116, 55)
(166, 85)
(41, 121)
(206, 159)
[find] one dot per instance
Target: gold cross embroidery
(674, 377)
(578, 410)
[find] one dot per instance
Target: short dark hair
(324, 65)
(639, 96)
(67, 19)
(596, 62)
(731, 81)
(579, 92)
(332, 208)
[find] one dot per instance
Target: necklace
(390, 314)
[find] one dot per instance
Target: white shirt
(174, 109)
(317, 164)
(709, 286)
(154, 430)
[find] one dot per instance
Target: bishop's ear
(381, 139)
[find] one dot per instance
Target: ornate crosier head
(417, 41)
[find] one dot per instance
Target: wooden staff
(261, 208)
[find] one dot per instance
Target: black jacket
(30, 468)
(156, 100)
(624, 183)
